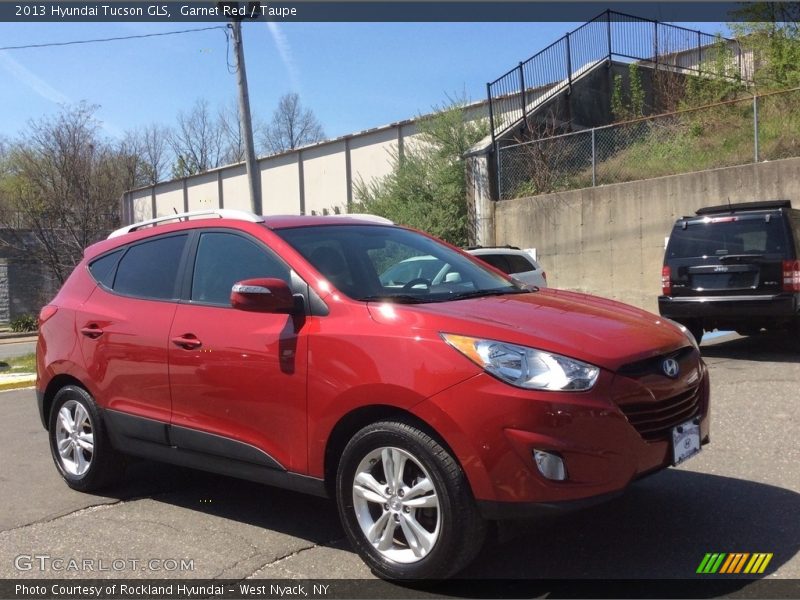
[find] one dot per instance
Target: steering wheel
(417, 281)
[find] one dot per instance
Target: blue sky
(354, 76)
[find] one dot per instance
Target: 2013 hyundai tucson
(268, 349)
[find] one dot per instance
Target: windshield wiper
(492, 292)
(741, 258)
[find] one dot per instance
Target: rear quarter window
(103, 270)
(508, 263)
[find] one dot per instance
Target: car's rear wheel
(406, 505)
(78, 441)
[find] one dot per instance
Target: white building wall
(329, 174)
(325, 178)
(204, 192)
(169, 198)
(280, 185)
(142, 205)
(235, 190)
(371, 154)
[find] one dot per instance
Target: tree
(233, 141)
(771, 31)
(198, 141)
(62, 182)
(292, 126)
(148, 154)
(427, 187)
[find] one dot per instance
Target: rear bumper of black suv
(770, 306)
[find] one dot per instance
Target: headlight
(526, 367)
(685, 331)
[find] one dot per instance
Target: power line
(112, 39)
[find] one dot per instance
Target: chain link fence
(738, 132)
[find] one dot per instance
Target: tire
(426, 528)
(78, 442)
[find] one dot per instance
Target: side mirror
(263, 295)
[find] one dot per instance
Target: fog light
(550, 465)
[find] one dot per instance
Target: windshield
(728, 236)
(372, 262)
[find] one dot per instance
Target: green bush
(24, 323)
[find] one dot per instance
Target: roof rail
(505, 246)
(367, 217)
(762, 205)
(222, 213)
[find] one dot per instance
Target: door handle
(187, 341)
(92, 331)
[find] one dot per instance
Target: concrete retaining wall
(25, 284)
(609, 240)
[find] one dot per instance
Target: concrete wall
(609, 240)
(25, 284)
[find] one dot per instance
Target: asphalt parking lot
(741, 494)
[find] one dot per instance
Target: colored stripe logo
(734, 563)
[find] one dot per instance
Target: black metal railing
(609, 35)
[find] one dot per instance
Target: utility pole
(245, 121)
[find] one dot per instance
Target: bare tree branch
(292, 126)
(62, 182)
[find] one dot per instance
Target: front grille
(650, 366)
(655, 420)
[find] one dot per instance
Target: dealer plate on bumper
(685, 441)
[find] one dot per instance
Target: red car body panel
(281, 383)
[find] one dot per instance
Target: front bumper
(493, 429)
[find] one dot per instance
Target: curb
(10, 338)
(14, 382)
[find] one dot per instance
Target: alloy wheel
(396, 505)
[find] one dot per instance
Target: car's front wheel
(406, 505)
(78, 441)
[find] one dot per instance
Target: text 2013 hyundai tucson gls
(269, 349)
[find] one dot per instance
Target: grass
(720, 136)
(18, 365)
(21, 364)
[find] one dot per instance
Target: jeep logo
(720, 269)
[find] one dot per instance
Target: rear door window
(150, 269)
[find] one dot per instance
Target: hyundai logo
(670, 367)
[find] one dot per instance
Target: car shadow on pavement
(292, 513)
(769, 347)
(660, 529)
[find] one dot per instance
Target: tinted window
(498, 261)
(508, 263)
(103, 268)
(149, 270)
(745, 235)
(225, 258)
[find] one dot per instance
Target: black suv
(734, 267)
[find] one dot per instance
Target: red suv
(270, 349)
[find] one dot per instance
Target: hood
(602, 332)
